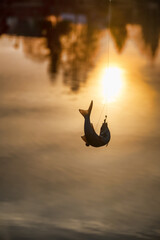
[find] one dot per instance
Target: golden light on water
(112, 82)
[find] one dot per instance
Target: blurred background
(55, 57)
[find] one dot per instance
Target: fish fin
(87, 112)
(83, 112)
(84, 138)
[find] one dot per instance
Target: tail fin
(87, 112)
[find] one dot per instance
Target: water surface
(54, 59)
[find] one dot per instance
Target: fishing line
(108, 51)
(105, 107)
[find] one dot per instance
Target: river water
(51, 185)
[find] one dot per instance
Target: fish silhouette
(91, 137)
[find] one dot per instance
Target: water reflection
(51, 186)
(71, 39)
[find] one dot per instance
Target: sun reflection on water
(112, 83)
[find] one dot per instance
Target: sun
(112, 83)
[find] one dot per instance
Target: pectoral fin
(84, 138)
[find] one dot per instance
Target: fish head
(104, 129)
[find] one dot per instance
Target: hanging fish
(91, 137)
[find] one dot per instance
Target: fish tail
(87, 112)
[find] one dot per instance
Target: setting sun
(112, 83)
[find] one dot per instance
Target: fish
(91, 137)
